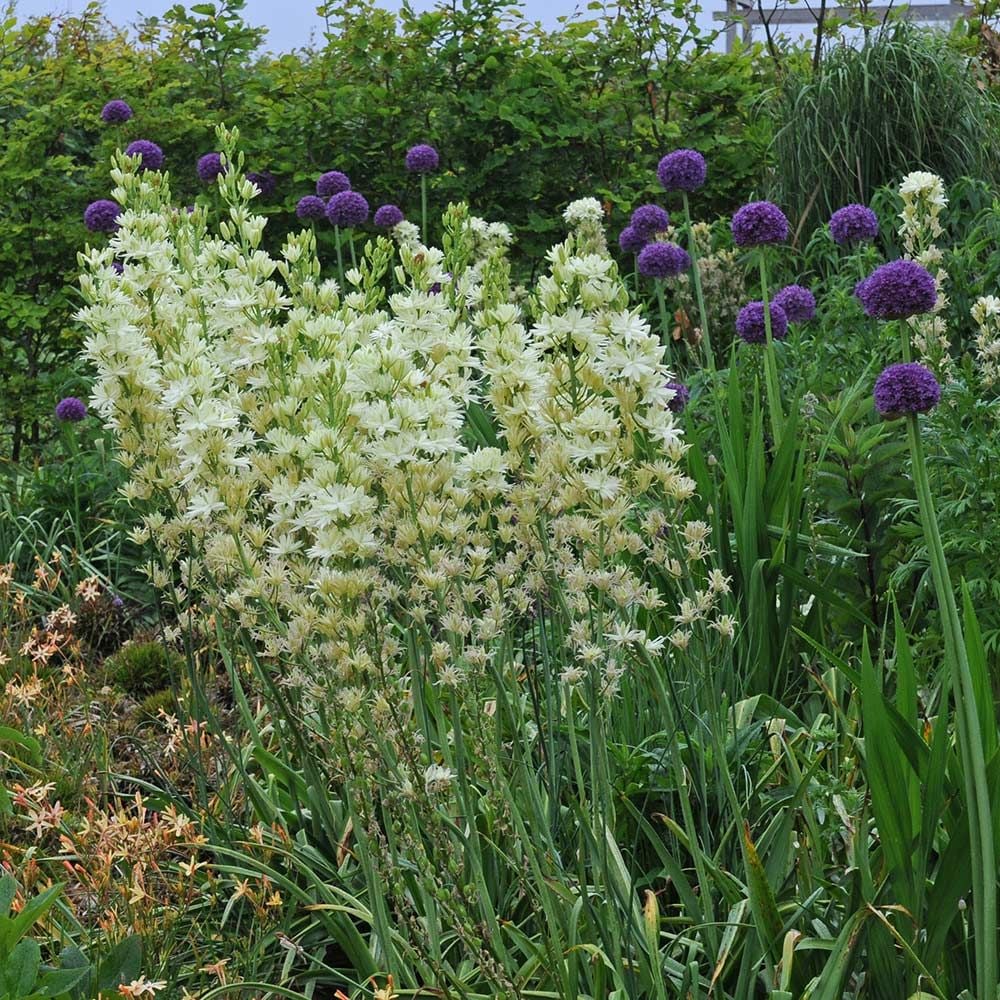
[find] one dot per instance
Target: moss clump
(150, 706)
(144, 668)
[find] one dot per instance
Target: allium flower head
(71, 410)
(896, 290)
(750, 323)
(331, 183)
(266, 182)
(648, 220)
(102, 216)
(682, 170)
(422, 159)
(210, 166)
(151, 154)
(387, 216)
(906, 388)
(853, 224)
(682, 395)
(757, 223)
(115, 112)
(663, 260)
(310, 208)
(349, 208)
(798, 303)
(631, 240)
(118, 267)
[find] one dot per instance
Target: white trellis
(739, 13)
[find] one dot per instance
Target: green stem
(354, 258)
(984, 910)
(423, 210)
(664, 320)
(696, 280)
(775, 410)
(340, 258)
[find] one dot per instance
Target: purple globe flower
(682, 170)
(757, 223)
(853, 224)
(71, 410)
(118, 267)
(266, 182)
(631, 240)
(387, 216)
(797, 303)
(750, 323)
(906, 388)
(662, 260)
(102, 216)
(349, 208)
(647, 220)
(422, 159)
(210, 166)
(311, 208)
(151, 154)
(896, 290)
(331, 183)
(682, 394)
(116, 112)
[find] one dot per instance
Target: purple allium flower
(151, 154)
(331, 183)
(71, 410)
(662, 260)
(115, 112)
(750, 323)
(118, 267)
(210, 166)
(349, 208)
(896, 290)
(387, 216)
(759, 222)
(102, 216)
(682, 170)
(630, 240)
(797, 303)
(906, 388)
(310, 208)
(117, 603)
(682, 394)
(853, 224)
(647, 220)
(266, 182)
(422, 159)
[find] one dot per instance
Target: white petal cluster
(986, 315)
(304, 459)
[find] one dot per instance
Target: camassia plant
(448, 522)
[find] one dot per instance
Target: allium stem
(423, 209)
(977, 795)
(340, 257)
(354, 258)
(699, 295)
(770, 363)
(664, 320)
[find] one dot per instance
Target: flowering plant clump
(648, 220)
(585, 217)
(682, 170)
(797, 303)
(210, 166)
(150, 154)
(897, 290)
(759, 223)
(422, 159)
(751, 327)
(663, 260)
(116, 112)
(906, 388)
(986, 315)
(102, 216)
(349, 208)
(311, 208)
(332, 182)
(853, 224)
(388, 216)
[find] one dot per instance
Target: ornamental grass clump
(416, 511)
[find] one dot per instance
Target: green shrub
(145, 668)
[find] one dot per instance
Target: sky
(289, 22)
